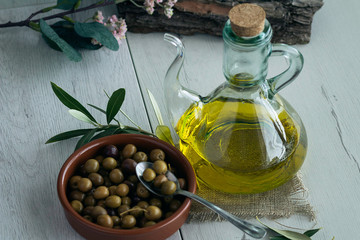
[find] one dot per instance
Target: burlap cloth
(284, 201)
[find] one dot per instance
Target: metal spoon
(248, 228)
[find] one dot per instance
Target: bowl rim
(72, 159)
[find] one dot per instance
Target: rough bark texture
(290, 19)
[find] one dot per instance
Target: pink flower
(158, 1)
(98, 17)
(149, 6)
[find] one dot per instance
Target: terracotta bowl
(161, 230)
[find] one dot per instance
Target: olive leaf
(311, 232)
(97, 108)
(107, 132)
(114, 104)
(66, 4)
(156, 108)
(68, 135)
(86, 138)
(80, 116)
(70, 102)
(97, 31)
(77, 4)
(287, 233)
(55, 42)
(163, 133)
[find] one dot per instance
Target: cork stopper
(247, 20)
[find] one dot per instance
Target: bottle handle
(295, 61)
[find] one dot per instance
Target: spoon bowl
(250, 229)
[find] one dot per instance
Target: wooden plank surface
(30, 114)
(325, 95)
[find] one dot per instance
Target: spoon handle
(248, 228)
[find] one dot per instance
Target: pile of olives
(106, 191)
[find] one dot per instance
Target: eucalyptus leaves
(68, 35)
(78, 111)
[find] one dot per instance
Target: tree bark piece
(290, 19)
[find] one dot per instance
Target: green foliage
(70, 102)
(66, 4)
(163, 133)
(57, 43)
(114, 104)
(97, 31)
(78, 111)
(287, 234)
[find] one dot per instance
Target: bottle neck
(245, 60)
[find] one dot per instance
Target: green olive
(168, 214)
(101, 203)
(153, 213)
(140, 157)
(88, 217)
(122, 190)
(149, 175)
(88, 210)
(92, 166)
(123, 208)
(85, 185)
(174, 205)
(137, 211)
(128, 221)
(160, 179)
(89, 201)
(157, 154)
(160, 167)
(101, 192)
(105, 221)
(141, 191)
(96, 179)
(126, 201)
(149, 223)
(155, 202)
(77, 195)
(116, 220)
(168, 188)
(182, 183)
(129, 150)
(116, 176)
(77, 206)
(133, 179)
(112, 190)
(113, 201)
(109, 163)
(73, 182)
(100, 158)
(97, 211)
(143, 204)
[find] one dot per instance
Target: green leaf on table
(156, 108)
(97, 31)
(163, 133)
(311, 232)
(86, 138)
(287, 233)
(107, 132)
(114, 104)
(97, 108)
(69, 101)
(129, 130)
(66, 31)
(80, 116)
(68, 135)
(66, 4)
(56, 42)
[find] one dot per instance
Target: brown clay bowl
(161, 230)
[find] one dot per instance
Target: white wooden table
(326, 95)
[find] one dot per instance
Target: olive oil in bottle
(238, 147)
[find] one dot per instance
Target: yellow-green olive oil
(238, 147)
